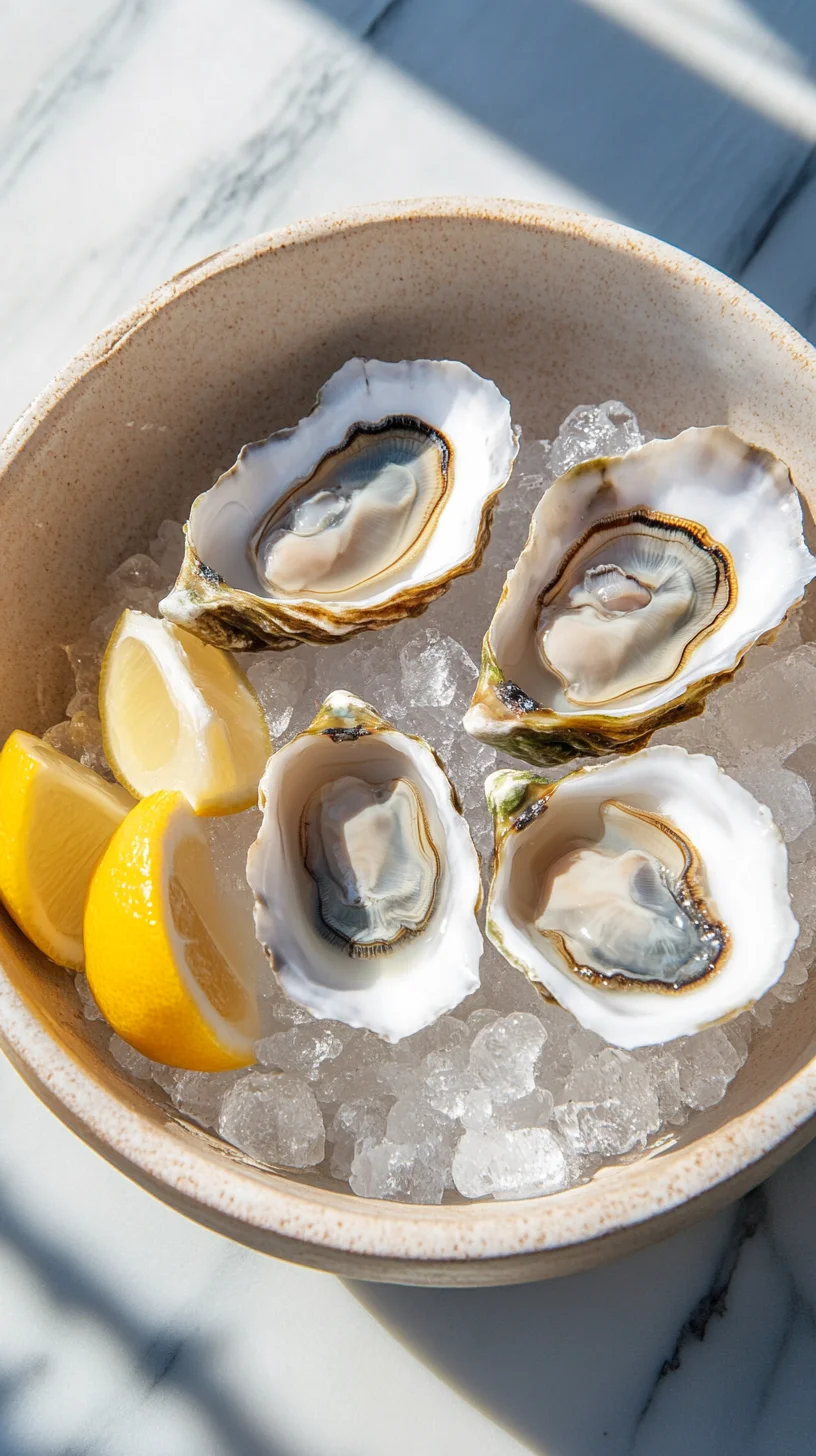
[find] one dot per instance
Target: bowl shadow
(687, 1345)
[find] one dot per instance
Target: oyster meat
(365, 877)
(644, 581)
(649, 896)
(360, 515)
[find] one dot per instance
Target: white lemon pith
(178, 714)
(163, 962)
(56, 818)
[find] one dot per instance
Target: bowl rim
(323, 1226)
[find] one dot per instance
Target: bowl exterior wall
(559, 309)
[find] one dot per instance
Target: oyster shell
(362, 514)
(649, 895)
(644, 581)
(365, 878)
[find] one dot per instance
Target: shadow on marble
(188, 1364)
(552, 1361)
(698, 1344)
(635, 123)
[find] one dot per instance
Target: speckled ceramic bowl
(559, 309)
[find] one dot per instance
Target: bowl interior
(547, 306)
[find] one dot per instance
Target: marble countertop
(135, 137)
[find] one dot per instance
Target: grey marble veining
(135, 137)
(125, 1329)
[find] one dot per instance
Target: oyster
(649, 895)
(365, 878)
(362, 514)
(645, 579)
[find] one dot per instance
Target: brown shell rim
(558, 737)
(234, 619)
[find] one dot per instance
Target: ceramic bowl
(559, 309)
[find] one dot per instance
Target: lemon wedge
(179, 714)
(56, 817)
(162, 959)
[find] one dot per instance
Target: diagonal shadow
(793, 21)
(611, 1360)
(10, 1386)
(566, 1362)
(658, 144)
(186, 1362)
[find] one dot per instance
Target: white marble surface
(136, 136)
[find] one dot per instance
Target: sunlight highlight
(730, 46)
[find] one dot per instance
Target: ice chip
(353, 1123)
(303, 1049)
(199, 1095)
(708, 1061)
(279, 679)
(509, 1163)
(504, 1055)
(167, 550)
(410, 1173)
(592, 430)
(274, 1118)
(141, 1067)
(611, 1105)
(90, 1010)
(436, 670)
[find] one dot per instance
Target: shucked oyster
(362, 514)
(644, 581)
(365, 877)
(647, 895)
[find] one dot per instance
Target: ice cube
(611, 1105)
(304, 1048)
(436, 670)
(708, 1062)
(794, 976)
(356, 1071)
(280, 680)
(504, 1055)
(748, 709)
(786, 794)
(167, 550)
(85, 658)
(274, 1118)
(199, 1095)
(509, 1163)
(142, 1068)
(353, 1122)
(592, 430)
(662, 1064)
(137, 575)
(413, 1119)
(448, 1079)
(90, 1010)
(410, 1173)
(534, 1110)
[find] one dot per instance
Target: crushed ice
(507, 1097)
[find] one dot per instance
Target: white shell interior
(746, 502)
(468, 410)
(394, 994)
(746, 871)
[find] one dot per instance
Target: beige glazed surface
(558, 309)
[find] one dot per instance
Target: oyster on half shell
(365, 877)
(645, 579)
(361, 514)
(649, 895)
